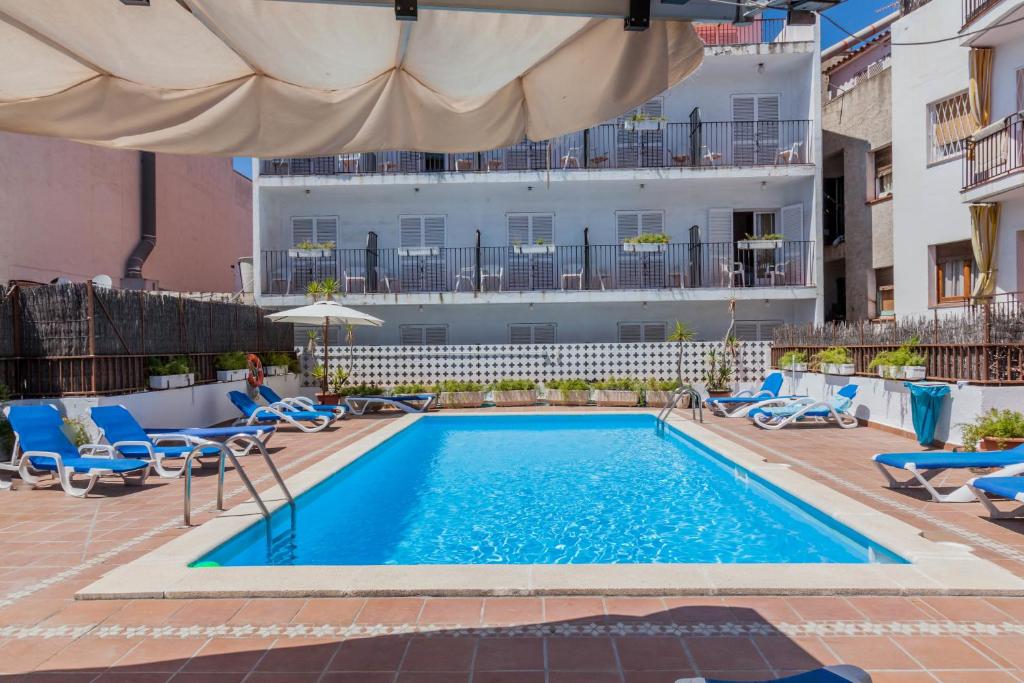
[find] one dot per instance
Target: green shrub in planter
(453, 386)
(793, 358)
(619, 384)
(400, 389)
(232, 360)
(568, 385)
(164, 365)
(995, 424)
(834, 355)
(514, 385)
(360, 389)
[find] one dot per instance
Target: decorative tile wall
(389, 365)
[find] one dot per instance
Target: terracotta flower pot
(719, 394)
(517, 397)
(557, 397)
(328, 399)
(991, 443)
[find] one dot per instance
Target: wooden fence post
(90, 314)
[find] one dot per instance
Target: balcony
(543, 268)
(699, 145)
(994, 157)
(908, 6)
(759, 31)
(972, 9)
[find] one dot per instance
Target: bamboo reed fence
(78, 340)
(978, 344)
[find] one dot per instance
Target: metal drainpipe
(147, 217)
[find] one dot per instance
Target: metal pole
(323, 383)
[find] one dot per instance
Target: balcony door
(718, 249)
(313, 230)
(640, 269)
(421, 253)
(755, 134)
(531, 262)
(644, 148)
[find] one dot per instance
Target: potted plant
(995, 430)
(718, 374)
(337, 385)
(657, 393)
(641, 121)
(768, 241)
(231, 366)
(835, 360)
(649, 242)
(620, 392)
(884, 363)
(514, 392)
(567, 392)
(276, 363)
(460, 394)
(170, 373)
(538, 247)
(307, 249)
(795, 361)
(915, 366)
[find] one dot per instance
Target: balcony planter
(533, 248)
(462, 399)
(231, 375)
(309, 253)
(838, 368)
(645, 124)
(525, 397)
(914, 372)
(659, 399)
(796, 367)
(171, 381)
(758, 245)
(275, 370)
(558, 397)
(418, 251)
(890, 371)
(617, 398)
(644, 246)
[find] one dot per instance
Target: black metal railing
(758, 31)
(975, 8)
(908, 6)
(648, 144)
(543, 267)
(995, 155)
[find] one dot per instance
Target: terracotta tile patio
(54, 545)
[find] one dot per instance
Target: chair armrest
(117, 446)
(184, 439)
(283, 406)
(99, 450)
(25, 455)
(303, 401)
(743, 394)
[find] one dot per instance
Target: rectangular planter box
(521, 397)
(275, 370)
(660, 399)
(629, 124)
(534, 249)
(796, 367)
(914, 372)
(462, 399)
(764, 245)
(890, 371)
(617, 398)
(418, 251)
(644, 246)
(557, 397)
(171, 381)
(838, 368)
(231, 375)
(309, 253)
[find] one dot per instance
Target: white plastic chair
(790, 155)
(467, 276)
(573, 276)
(354, 279)
(776, 272)
(389, 281)
(571, 158)
(349, 162)
(711, 157)
(491, 275)
(730, 271)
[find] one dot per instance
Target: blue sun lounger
(842, 673)
(45, 448)
(802, 410)
(253, 413)
(1011, 488)
(925, 466)
(742, 402)
(274, 400)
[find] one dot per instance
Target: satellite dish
(103, 281)
(61, 280)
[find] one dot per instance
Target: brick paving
(53, 545)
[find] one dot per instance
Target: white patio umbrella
(268, 78)
(325, 313)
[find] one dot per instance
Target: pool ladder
(227, 454)
(695, 404)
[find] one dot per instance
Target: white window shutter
(630, 333)
(518, 228)
(652, 223)
(435, 335)
(746, 330)
(520, 334)
(655, 332)
(744, 108)
(793, 222)
(627, 225)
(327, 229)
(543, 228)
(411, 335)
(410, 230)
(302, 230)
(544, 333)
(433, 231)
(719, 225)
(767, 107)
(767, 331)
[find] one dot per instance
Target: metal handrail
(226, 452)
(695, 404)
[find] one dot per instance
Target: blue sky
(852, 15)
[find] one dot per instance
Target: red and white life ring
(256, 375)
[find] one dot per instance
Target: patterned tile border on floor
(71, 572)
(581, 629)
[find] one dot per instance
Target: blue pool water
(545, 490)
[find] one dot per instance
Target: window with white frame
(421, 231)
(630, 224)
(756, 330)
(949, 125)
(954, 271)
(881, 161)
(531, 228)
(531, 333)
(632, 333)
(423, 335)
(314, 230)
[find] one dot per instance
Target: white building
(942, 161)
(526, 244)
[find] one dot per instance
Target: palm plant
(681, 334)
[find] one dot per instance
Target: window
(756, 330)
(885, 294)
(632, 333)
(755, 129)
(421, 231)
(630, 224)
(531, 333)
(954, 271)
(882, 163)
(423, 335)
(317, 229)
(531, 228)
(949, 125)
(835, 209)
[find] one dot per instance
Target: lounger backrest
(772, 383)
(118, 424)
(40, 428)
(844, 398)
(243, 403)
(269, 395)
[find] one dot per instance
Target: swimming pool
(545, 489)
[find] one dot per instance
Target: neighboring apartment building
(963, 155)
(76, 211)
(857, 153)
(532, 243)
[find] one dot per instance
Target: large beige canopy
(275, 78)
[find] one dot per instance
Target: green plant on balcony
(306, 245)
(641, 116)
(162, 365)
(648, 238)
(767, 237)
(232, 360)
(791, 358)
(834, 355)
